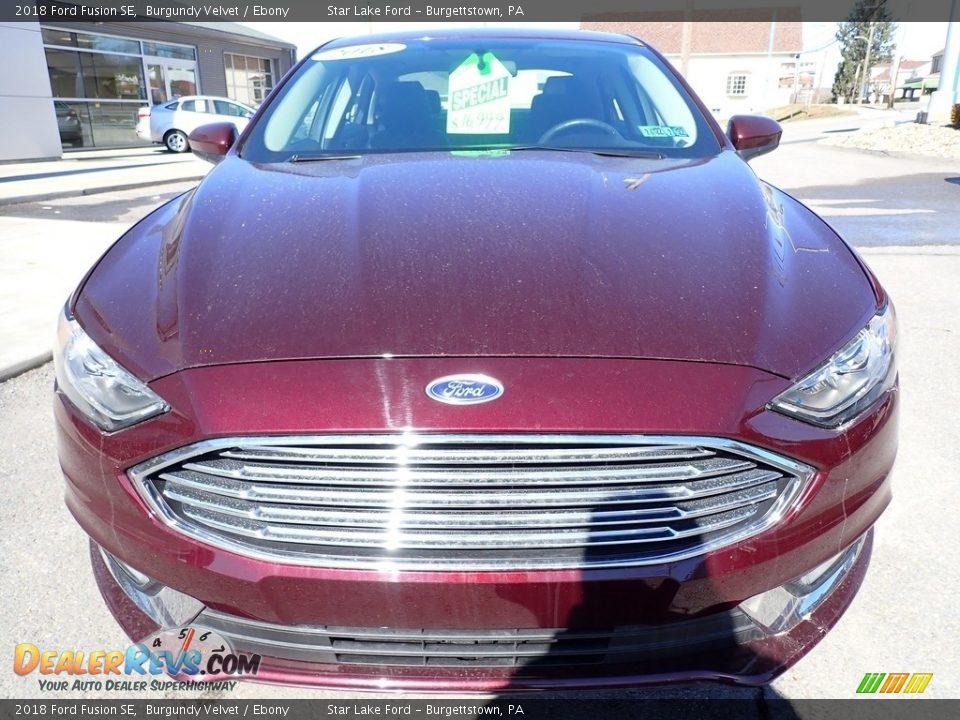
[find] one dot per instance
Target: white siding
(708, 74)
(28, 123)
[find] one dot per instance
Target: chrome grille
(470, 502)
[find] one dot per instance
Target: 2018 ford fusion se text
(482, 360)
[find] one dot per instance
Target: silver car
(171, 123)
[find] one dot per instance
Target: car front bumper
(737, 614)
(748, 644)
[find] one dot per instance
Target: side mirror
(211, 142)
(754, 135)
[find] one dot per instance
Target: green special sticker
(479, 96)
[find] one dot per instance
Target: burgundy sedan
(480, 361)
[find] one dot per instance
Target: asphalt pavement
(47, 247)
(902, 213)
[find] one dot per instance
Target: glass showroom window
(249, 79)
(99, 82)
(737, 84)
(98, 86)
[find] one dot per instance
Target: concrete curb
(41, 197)
(19, 368)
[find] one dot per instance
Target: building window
(737, 84)
(183, 52)
(935, 65)
(99, 82)
(249, 78)
(95, 75)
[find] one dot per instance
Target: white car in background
(171, 123)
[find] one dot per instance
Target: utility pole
(796, 78)
(866, 66)
(686, 39)
(856, 86)
(895, 68)
(894, 71)
(686, 36)
(815, 90)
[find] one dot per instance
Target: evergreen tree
(853, 35)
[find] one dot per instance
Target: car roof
(206, 97)
(481, 33)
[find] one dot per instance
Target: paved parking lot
(903, 214)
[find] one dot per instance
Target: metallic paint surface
(843, 500)
(534, 254)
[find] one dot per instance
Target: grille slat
(475, 498)
(476, 520)
(470, 502)
(395, 539)
(534, 456)
(406, 476)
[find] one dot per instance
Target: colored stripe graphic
(918, 682)
(870, 682)
(912, 683)
(894, 682)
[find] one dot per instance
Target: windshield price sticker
(355, 52)
(664, 131)
(479, 97)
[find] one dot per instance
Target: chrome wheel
(176, 141)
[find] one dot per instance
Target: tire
(176, 141)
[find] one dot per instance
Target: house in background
(735, 67)
(927, 80)
(911, 78)
(800, 79)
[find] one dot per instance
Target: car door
(192, 114)
(162, 119)
(232, 112)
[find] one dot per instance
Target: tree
(868, 25)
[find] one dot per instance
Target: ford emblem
(464, 389)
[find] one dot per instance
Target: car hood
(532, 253)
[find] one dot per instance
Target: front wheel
(176, 141)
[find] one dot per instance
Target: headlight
(850, 381)
(98, 387)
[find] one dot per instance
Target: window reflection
(99, 82)
(112, 76)
(249, 79)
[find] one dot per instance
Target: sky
(917, 40)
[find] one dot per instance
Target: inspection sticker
(667, 131)
(479, 97)
(358, 51)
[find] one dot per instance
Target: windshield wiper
(298, 158)
(603, 152)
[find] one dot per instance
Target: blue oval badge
(464, 389)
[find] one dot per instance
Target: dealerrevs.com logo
(196, 657)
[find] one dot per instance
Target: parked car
(68, 122)
(543, 389)
(171, 123)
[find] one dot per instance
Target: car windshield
(477, 94)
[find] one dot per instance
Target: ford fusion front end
(444, 406)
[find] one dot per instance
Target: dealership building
(69, 85)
